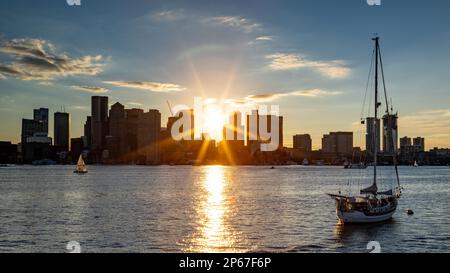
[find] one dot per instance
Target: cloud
(78, 107)
(331, 69)
(264, 38)
(90, 89)
(35, 59)
(169, 15)
(267, 97)
(45, 83)
(132, 103)
(236, 22)
(149, 86)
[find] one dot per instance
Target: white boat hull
(360, 217)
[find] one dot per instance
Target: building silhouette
(390, 134)
(99, 123)
(419, 144)
(338, 143)
(303, 142)
(87, 138)
(41, 115)
(61, 128)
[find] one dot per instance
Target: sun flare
(213, 122)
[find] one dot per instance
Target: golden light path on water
(214, 231)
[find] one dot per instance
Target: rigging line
(384, 83)
(387, 111)
(367, 85)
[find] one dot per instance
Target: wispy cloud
(45, 83)
(240, 23)
(136, 104)
(264, 38)
(149, 86)
(169, 15)
(271, 96)
(434, 125)
(90, 89)
(331, 69)
(35, 59)
(77, 107)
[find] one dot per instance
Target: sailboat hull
(358, 217)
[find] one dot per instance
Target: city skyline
(151, 52)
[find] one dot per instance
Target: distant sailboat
(81, 166)
(416, 164)
(371, 205)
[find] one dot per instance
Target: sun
(213, 122)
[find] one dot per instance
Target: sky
(310, 57)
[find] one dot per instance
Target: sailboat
(81, 166)
(371, 205)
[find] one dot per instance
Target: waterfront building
(61, 130)
(303, 142)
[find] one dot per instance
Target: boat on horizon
(81, 166)
(372, 205)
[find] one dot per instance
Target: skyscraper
(253, 133)
(87, 133)
(117, 129)
(303, 142)
(419, 144)
(372, 135)
(61, 130)
(390, 134)
(41, 115)
(99, 122)
(148, 130)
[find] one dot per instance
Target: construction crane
(170, 108)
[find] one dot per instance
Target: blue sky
(309, 57)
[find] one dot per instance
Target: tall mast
(375, 152)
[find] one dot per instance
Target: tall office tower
(253, 129)
(87, 133)
(148, 130)
(117, 129)
(419, 144)
(338, 143)
(234, 130)
(303, 142)
(99, 122)
(132, 124)
(372, 135)
(61, 130)
(390, 134)
(41, 115)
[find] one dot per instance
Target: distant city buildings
(412, 149)
(35, 143)
(303, 142)
(134, 136)
(338, 143)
